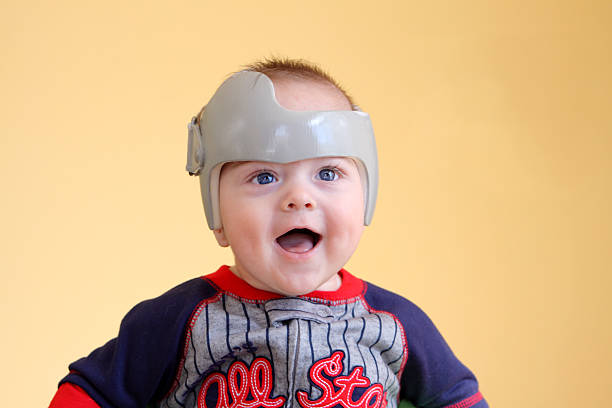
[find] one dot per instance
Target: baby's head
(288, 175)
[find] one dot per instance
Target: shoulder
(421, 334)
(179, 301)
(380, 299)
(433, 376)
(142, 360)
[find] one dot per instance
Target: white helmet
(244, 122)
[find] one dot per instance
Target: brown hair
(297, 68)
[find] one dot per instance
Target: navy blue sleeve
(139, 365)
(433, 377)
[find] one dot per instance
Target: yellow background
(494, 132)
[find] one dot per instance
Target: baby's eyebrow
(339, 161)
(235, 163)
(247, 165)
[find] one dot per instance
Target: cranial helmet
(244, 122)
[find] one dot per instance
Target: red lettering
(374, 397)
(257, 378)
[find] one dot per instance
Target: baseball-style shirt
(218, 342)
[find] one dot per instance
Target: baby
(288, 173)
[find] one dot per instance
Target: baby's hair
(297, 68)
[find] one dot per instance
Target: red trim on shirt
(72, 396)
(468, 402)
(227, 281)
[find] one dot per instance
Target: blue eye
(264, 178)
(328, 175)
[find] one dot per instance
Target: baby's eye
(327, 174)
(264, 178)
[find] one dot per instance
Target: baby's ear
(220, 236)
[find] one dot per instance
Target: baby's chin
(331, 285)
(290, 284)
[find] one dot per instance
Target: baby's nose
(297, 199)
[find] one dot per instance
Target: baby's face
(293, 226)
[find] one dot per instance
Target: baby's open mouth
(298, 240)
